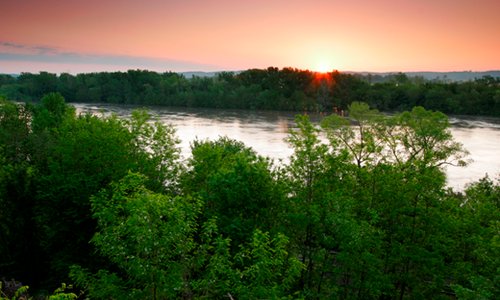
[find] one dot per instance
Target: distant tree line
(360, 210)
(269, 89)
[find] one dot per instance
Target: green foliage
(151, 239)
(56, 161)
(360, 141)
(62, 294)
(399, 182)
(269, 272)
(236, 186)
(14, 130)
(51, 112)
(20, 292)
(331, 242)
(360, 210)
(16, 178)
(477, 245)
(384, 203)
(156, 149)
(425, 137)
(147, 235)
(271, 88)
(83, 156)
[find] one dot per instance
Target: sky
(78, 36)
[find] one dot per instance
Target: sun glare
(323, 67)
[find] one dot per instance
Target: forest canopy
(269, 89)
(108, 205)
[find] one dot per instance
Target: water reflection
(266, 131)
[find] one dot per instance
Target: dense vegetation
(361, 210)
(272, 89)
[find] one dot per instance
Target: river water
(266, 131)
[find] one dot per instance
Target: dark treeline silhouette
(269, 89)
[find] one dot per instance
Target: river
(265, 132)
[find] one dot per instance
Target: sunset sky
(212, 35)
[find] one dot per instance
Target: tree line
(270, 89)
(360, 211)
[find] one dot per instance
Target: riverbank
(284, 89)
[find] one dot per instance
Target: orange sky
(208, 35)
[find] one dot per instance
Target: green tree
(148, 236)
(155, 150)
(359, 141)
(152, 239)
(476, 251)
(338, 249)
(236, 185)
(16, 195)
(400, 188)
(74, 158)
(51, 112)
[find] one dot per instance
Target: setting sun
(323, 66)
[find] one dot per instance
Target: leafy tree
(339, 251)
(51, 112)
(476, 251)
(146, 235)
(88, 154)
(236, 186)
(359, 141)
(426, 139)
(398, 190)
(151, 239)
(14, 131)
(16, 199)
(155, 149)
(54, 162)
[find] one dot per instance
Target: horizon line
(243, 70)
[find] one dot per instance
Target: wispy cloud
(8, 47)
(12, 52)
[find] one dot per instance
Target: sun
(323, 66)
